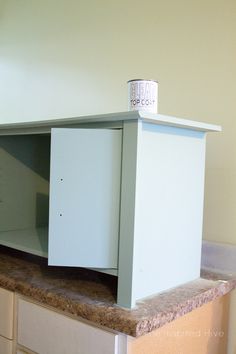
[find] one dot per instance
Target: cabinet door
(6, 313)
(5, 346)
(84, 197)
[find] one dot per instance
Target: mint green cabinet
(121, 193)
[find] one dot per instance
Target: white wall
(61, 58)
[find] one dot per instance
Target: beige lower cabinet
(202, 331)
(6, 313)
(6, 321)
(44, 331)
(6, 346)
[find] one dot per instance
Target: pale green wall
(62, 58)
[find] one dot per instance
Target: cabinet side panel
(85, 197)
(131, 134)
(169, 208)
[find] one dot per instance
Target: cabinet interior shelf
(34, 240)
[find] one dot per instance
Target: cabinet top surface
(91, 295)
(45, 126)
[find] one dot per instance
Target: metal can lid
(142, 80)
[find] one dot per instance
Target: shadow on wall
(31, 150)
(42, 210)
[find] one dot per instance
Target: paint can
(143, 95)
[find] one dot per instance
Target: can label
(143, 95)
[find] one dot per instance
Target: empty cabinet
(121, 193)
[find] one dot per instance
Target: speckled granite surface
(92, 295)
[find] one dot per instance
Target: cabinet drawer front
(5, 346)
(47, 332)
(6, 313)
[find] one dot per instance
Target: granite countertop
(92, 295)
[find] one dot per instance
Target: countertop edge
(186, 307)
(123, 324)
(88, 295)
